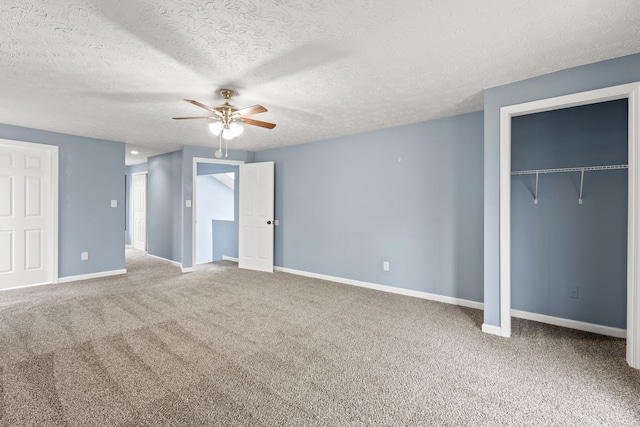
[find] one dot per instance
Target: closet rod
(560, 170)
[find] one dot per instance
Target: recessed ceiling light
(134, 152)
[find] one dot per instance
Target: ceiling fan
(226, 116)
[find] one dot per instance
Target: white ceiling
(119, 69)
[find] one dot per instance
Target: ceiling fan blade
(199, 104)
(254, 109)
(197, 117)
(257, 123)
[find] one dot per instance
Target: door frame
(146, 210)
(53, 217)
(631, 92)
(194, 196)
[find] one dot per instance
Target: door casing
(197, 160)
(632, 93)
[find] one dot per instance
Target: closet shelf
(582, 170)
(578, 169)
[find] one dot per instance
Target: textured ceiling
(119, 69)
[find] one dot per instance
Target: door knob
(268, 222)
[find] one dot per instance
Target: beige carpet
(223, 346)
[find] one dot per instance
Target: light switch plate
(187, 203)
(84, 256)
(114, 203)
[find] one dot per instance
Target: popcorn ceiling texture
(118, 70)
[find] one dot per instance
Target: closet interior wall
(569, 259)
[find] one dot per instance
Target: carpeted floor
(224, 346)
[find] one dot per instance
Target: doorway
(632, 93)
(569, 217)
(205, 167)
(216, 214)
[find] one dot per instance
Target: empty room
(319, 213)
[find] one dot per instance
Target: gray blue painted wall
(588, 77)
(225, 243)
(559, 244)
(91, 174)
(215, 201)
(164, 213)
(130, 170)
(410, 195)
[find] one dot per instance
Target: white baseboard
(229, 258)
(572, 324)
(28, 286)
(493, 330)
(91, 276)
(489, 329)
(128, 246)
(187, 269)
(170, 261)
(386, 288)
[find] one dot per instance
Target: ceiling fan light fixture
(227, 134)
(215, 128)
(236, 129)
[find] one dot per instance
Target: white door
(255, 240)
(28, 214)
(139, 186)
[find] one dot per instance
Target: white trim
(229, 258)
(632, 93)
(633, 233)
(170, 261)
(490, 329)
(27, 286)
(128, 246)
(187, 269)
(385, 288)
(54, 177)
(146, 208)
(194, 186)
(571, 324)
(99, 275)
(505, 223)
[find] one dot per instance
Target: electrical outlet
(573, 292)
(84, 256)
(385, 266)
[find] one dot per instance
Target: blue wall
(130, 170)
(588, 77)
(164, 222)
(215, 201)
(225, 243)
(91, 175)
(410, 195)
(559, 244)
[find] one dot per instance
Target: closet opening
(630, 93)
(569, 192)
